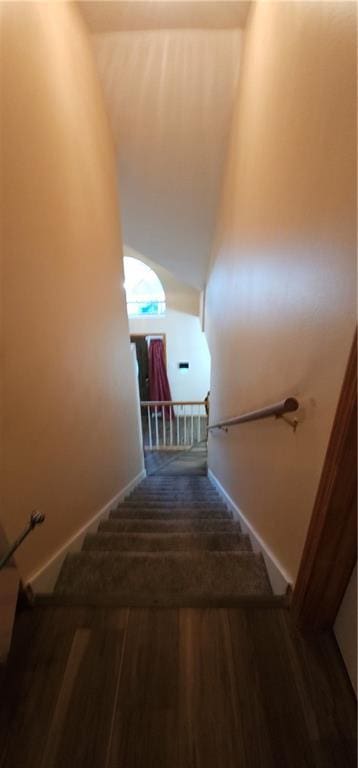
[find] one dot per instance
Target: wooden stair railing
(289, 405)
(173, 424)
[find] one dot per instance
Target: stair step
(173, 504)
(130, 525)
(171, 482)
(169, 513)
(177, 482)
(250, 602)
(175, 496)
(164, 542)
(174, 488)
(165, 578)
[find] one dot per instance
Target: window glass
(144, 291)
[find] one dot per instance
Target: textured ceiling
(170, 96)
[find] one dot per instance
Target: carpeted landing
(172, 542)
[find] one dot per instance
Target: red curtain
(159, 388)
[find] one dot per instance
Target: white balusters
(150, 427)
(181, 426)
(164, 427)
(156, 428)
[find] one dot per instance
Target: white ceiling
(170, 95)
(119, 15)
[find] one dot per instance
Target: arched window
(144, 291)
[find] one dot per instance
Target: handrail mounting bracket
(293, 423)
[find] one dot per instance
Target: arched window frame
(144, 291)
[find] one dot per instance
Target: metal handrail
(36, 518)
(278, 409)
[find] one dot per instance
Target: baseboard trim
(279, 578)
(44, 579)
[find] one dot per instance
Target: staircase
(172, 542)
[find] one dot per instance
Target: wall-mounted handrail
(277, 409)
(36, 518)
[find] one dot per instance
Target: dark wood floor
(188, 688)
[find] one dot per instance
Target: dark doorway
(142, 351)
(141, 346)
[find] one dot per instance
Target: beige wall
(280, 306)
(69, 411)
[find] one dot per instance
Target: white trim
(44, 579)
(278, 575)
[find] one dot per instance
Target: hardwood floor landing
(173, 688)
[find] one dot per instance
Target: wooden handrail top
(146, 403)
(277, 409)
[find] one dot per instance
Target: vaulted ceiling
(169, 71)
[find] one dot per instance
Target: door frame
(330, 551)
(145, 336)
